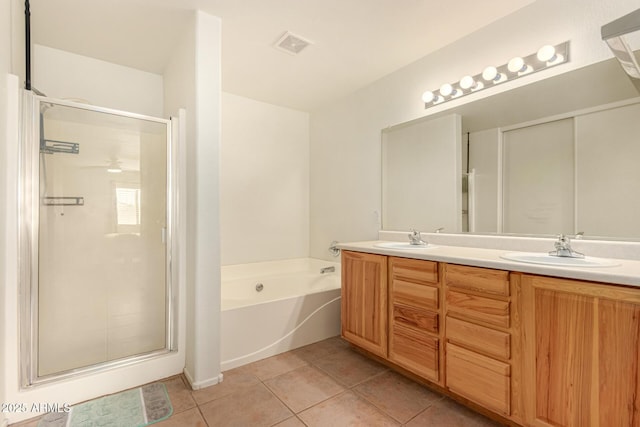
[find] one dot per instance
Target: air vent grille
(291, 43)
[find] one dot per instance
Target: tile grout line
(442, 397)
(295, 414)
(310, 362)
(202, 415)
(353, 387)
(313, 362)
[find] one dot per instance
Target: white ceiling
(355, 42)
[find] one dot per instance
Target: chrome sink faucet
(563, 248)
(415, 238)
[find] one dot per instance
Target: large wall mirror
(561, 155)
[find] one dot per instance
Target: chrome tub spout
(324, 270)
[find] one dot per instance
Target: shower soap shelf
(50, 146)
(63, 201)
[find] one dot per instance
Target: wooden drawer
(415, 350)
(479, 378)
(478, 338)
(495, 282)
(413, 270)
(415, 294)
(473, 307)
(415, 317)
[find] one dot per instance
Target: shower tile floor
(323, 384)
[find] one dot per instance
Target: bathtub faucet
(327, 270)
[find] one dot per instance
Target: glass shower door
(100, 283)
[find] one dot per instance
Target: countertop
(627, 272)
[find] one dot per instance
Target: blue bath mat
(131, 408)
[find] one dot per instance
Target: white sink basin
(545, 259)
(402, 245)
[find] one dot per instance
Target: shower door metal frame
(28, 236)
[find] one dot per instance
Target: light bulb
(491, 74)
(428, 97)
(546, 53)
(516, 65)
(549, 55)
(446, 89)
(467, 82)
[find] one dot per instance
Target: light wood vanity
(532, 350)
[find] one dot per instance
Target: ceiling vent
(291, 44)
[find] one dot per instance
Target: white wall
(179, 102)
(180, 93)
(65, 75)
(264, 193)
(5, 65)
(9, 236)
(345, 136)
(203, 184)
(16, 28)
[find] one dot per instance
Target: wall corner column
(203, 337)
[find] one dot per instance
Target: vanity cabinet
(581, 353)
(414, 316)
(481, 324)
(536, 350)
(364, 301)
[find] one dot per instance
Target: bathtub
(296, 306)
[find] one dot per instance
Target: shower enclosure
(96, 239)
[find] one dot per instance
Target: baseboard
(197, 385)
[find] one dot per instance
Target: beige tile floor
(323, 384)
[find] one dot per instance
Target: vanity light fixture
(547, 56)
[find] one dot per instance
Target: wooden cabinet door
(558, 339)
(619, 362)
(364, 301)
(581, 353)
